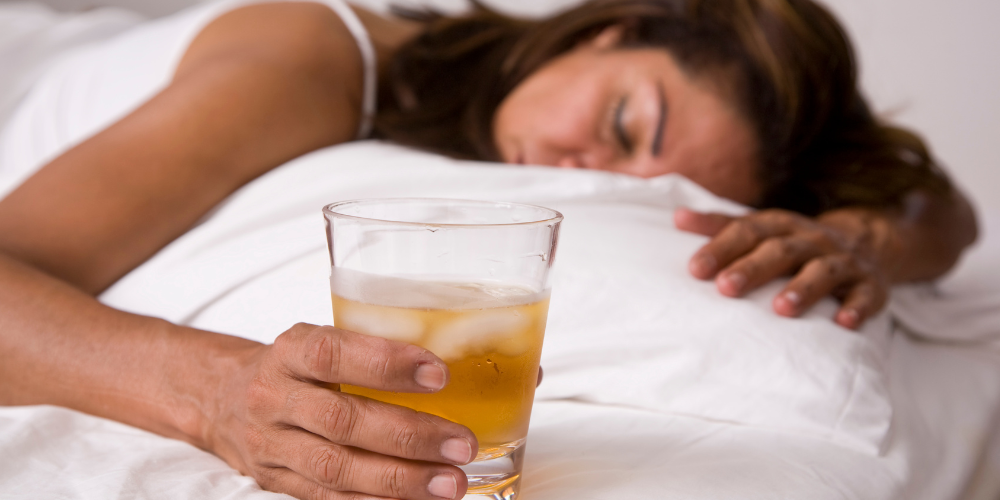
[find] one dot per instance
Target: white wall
(935, 66)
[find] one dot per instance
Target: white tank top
(92, 86)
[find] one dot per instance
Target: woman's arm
(929, 233)
(258, 87)
(247, 97)
(855, 254)
(263, 408)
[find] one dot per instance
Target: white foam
(429, 292)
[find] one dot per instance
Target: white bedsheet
(627, 324)
(579, 451)
(689, 418)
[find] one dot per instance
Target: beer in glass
(468, 281)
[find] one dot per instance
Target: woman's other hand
(284, 422)
(844, 253)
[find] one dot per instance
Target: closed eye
(661, 122)
(619, 126)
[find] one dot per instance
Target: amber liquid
(492, 355)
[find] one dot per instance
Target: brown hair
(793, 68)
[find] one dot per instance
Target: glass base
(496, 472)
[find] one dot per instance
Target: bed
(656, 386)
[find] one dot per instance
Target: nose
(570, 161)
(594, 158)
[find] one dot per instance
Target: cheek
(731, 172)
(558, 104)
(528, 111)
(516, 117)
(502, 121)
(723, 155)
(724, 163)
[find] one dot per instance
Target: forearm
(920, 241)
(60, 346)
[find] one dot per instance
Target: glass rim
(329, 210)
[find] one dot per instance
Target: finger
(863, 301)
(738, 238)
(287, 481)
(773, 258)
(817, 279)
(707, 224)
(380, 427)
(539, 377)
(329, 354)
(342, 468)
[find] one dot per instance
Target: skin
(564, 115)
(260, 86)
(601, 107)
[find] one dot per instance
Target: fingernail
(850, 318)
(703, 266)
(443, 486)
(793, 298)
(430, 376)
(736, 281)
(457, 450)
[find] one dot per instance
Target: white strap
(370, 61)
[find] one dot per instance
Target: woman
(754, 100)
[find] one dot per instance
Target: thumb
(707, 224)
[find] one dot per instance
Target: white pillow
(628, 325)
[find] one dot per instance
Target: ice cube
(427, 292)
(391, 323)
(516, 345)
(478, 332)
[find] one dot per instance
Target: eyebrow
(661, 122)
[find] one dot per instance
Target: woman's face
(631, 111)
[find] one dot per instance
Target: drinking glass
(468, 281)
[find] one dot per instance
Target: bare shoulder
(298, 38)
(258, 87)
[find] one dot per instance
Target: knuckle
(394, 479)
(844, 265)
(779, 247)
(435, 422)
(776, 215)
(406, 439)
(779, 216)
(380, 368)
(744, 230)
(331, 464)
(821, 267)
(322, 355)
(255, 441)
(259, 396)
(293, 334)
(350, 496)
(340, 419)
(819, 239)
(265, 476)
(745, 227)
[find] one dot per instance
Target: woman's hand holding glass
(284, 422)
(845, 253)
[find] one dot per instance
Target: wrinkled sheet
(690, 395)
(627, 324)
